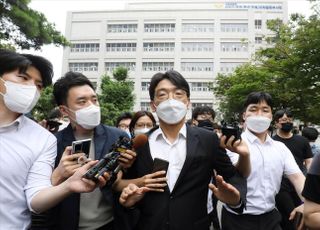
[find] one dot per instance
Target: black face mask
(286, 127)
(207, 124)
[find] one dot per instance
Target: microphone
(109, 163)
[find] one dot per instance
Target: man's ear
(244, 116)
(153, 106)
(63, 110)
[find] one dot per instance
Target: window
(83, 66)
(258, 24)
(258, 40)
(234, 27)
(122, 28)
(197, 66)
(199, 86)
(158, 46)
(121, 47)
(159, 28)
(198, 27)
(145, 106)
(199, 104)
(234, 47)
(197, 46)
(228, 67)
(145, 86)
(157, 66)
(110, 66)
(84, 47)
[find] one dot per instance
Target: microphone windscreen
(139, 140)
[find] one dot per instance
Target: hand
(225, 192)
(67, 166)
(132, 194)
(293, 214)
(155, 181)
(127, 158)
(239, 146)
(76, 183)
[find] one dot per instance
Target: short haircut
(11, 61)
(202, 110)
(174, 77)
(62, 86)
(280, 113)
(256, 98)
(139, 114)
(123, 116)
(310, 133)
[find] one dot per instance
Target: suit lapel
(192, 144)
(100, 137)
(145, 156)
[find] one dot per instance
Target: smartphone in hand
(229, 131)
(81, 146)
(160, 165)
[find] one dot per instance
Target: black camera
(229, 130)
(109, 163)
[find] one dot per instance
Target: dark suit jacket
(186, 206)
(66, 214)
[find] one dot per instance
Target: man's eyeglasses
(177, 94)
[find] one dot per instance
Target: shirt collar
(253, 138)
(16, 124)
(158, 133)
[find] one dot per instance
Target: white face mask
(171, 111)
(258, 124)
(141, 131)
(88, 117)
(20, 98)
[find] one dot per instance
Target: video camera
(229, 130)
(109, 163)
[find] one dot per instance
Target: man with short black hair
(192, 154)
(287, 198)
(27, 150)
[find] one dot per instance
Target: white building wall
(91, 27)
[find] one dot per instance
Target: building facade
(197, 38)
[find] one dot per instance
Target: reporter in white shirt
(27, 150)
(270, 160)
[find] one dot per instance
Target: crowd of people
(264, 181)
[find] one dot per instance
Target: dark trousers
(286, 202)
(108, 226)
(267, 221)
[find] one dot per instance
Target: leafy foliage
(45, 104)
(25, 28)
(289, 71)
(116, 96)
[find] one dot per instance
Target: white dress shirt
(269, 161)
(175, 153)
(27, 155)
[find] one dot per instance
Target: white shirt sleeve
(290, 165)
(39, 176)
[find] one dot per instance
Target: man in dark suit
(76, 98)
(192, 154)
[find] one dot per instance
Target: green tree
(45, 104)
(116, 96)
(289, 70)
(25, 28)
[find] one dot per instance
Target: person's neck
(285, 135)
(171, 131)
(6, 115)
(79, 131)
(261, 136)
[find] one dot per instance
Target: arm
(297, 179)
(49, 197)
(155, 181)
(307, 163)
(312, 214)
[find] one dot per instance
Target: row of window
(164, 47)
(225, 67)
(186, 27)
